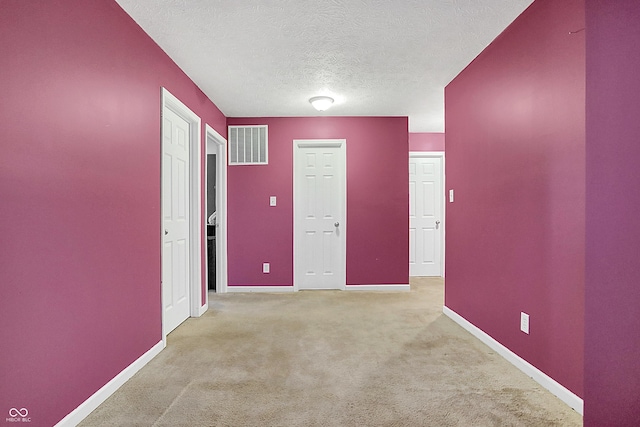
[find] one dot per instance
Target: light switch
(272, 201)
(524, 322)
(451, 196)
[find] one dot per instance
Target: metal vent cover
(248, 145)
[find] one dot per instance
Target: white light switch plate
(272, 201)
(450, 196)
(524, 322)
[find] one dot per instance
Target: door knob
(166, 232)
(337, 224)
(437, 224)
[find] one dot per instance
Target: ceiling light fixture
(321, 103)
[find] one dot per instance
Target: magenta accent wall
(612, 307)
(377, 201)
(515, 127)
(79, 198)
(426, 141)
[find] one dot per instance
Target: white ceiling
(266, 58)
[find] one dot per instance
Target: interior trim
(96, 399)
(564, 394)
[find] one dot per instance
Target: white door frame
(297, 243)
(440, 155)
(222, 277)
(196, 229)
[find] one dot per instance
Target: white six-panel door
(175, 213)
(319, 214)
(425, 216)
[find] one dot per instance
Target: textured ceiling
(375, 57)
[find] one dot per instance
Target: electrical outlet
(451, 196)
(272, 201)
(524, 322)
(266, 267)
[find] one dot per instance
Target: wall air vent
(248, 145)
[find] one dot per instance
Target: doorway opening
(216, 213)
(211, 221)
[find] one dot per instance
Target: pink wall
(612, 306)
(80, 198)
(377, 201)
(515, 127)
(426, 141)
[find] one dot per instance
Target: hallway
(330, 358)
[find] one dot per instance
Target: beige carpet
(330, 358)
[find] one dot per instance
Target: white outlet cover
(524, 322)
(272, 201)
(451, 196)
(266, 267)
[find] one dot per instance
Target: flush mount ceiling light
(321, 103)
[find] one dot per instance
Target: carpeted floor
(330, 358)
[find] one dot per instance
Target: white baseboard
(203, 309)
(387, 288)
(564, 394)
(394, 288)
(260, 289)
(74, 417)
